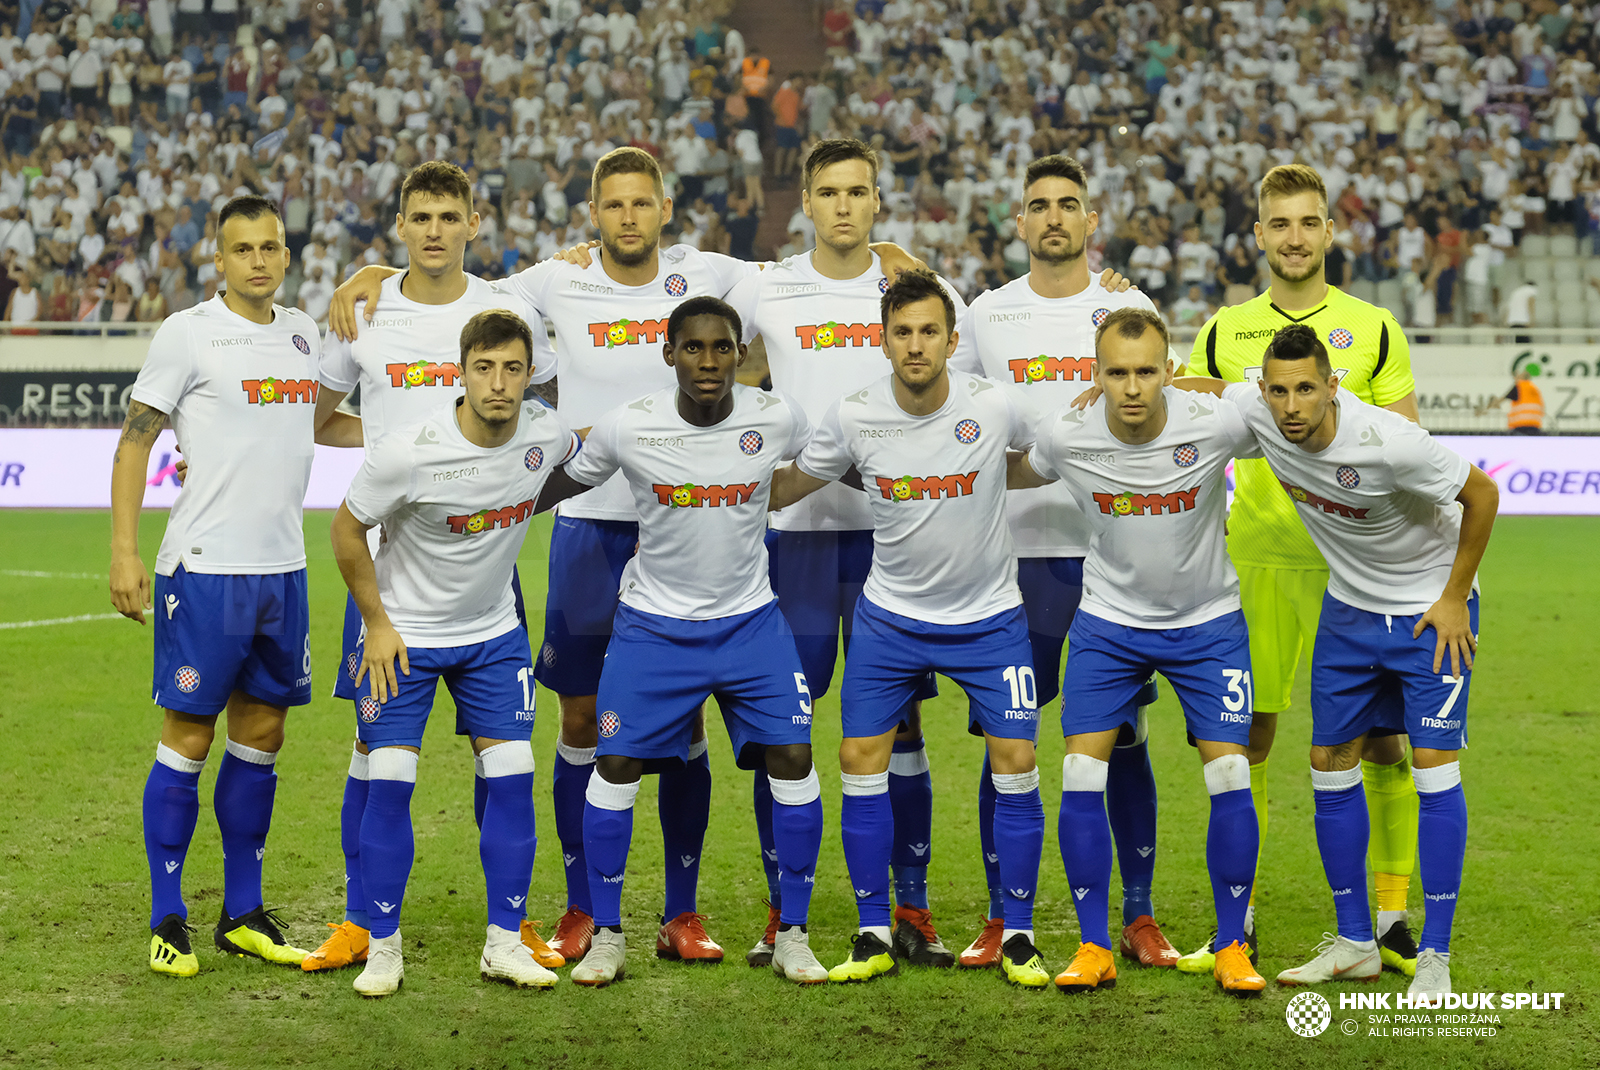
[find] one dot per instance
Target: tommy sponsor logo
(222, 343)
(689, 496)
(1316, 501)
(1129, 504)
(455, 473)
(271, 391)
(1048, 369)
(909, 488)
(797, 288)
(422, 373)
(831, 334)
(624, 332)
(489, 519)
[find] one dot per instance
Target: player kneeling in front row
(1379, 496)
(453, 495)
(1147, 466)
(698, 618)
(941, 596)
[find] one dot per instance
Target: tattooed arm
(548, 392)
(130, 583)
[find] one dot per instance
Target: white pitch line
(58, 620)
(30, 574)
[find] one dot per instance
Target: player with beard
(1282, 575)
(1038, 333)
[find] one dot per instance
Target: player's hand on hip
(130, 587)
(383, 648)
(363, 286)
(1452, 623)
(1087, 398)
(578, 255)
(1113, 281)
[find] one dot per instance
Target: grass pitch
(79, 736)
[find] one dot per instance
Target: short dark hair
(704, 305)
(1297, 342)
(248, 206)
(493, 328)
(437, 178)
(1131, 323)
(913, 286)
(627, 160)
(1057, 166)
(830, 151)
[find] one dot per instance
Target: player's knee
(618, 769)
(866, 754)
(1384, 750)
(1263, 730)
(1336, 759)
(791, 762)
(188, 735)
(578, 721)
(1008, 757)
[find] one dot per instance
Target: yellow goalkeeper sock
(1392, 849)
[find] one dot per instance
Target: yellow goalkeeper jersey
(1368, 351)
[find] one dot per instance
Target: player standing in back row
(1282, 575)
(238, 377)
(1038, 332)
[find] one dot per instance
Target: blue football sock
(246, 786)
(574, 765)
(508, 839)
(1131, 806)
(171, 808)
(1085, 837)
(1441, 847)
(607, 835)
(350, 814)
(1232, 840)
(388, 845)
(866, 824)
(911, 803)
(684, 804)
(1019, 840)
(1342, 830)
(761, 793)
(797, 830)
(991, 858)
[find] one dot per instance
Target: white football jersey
(1045, 346)
(824, 338)
(701, 496)
(406, 360)
(609, 339)
(454, 516)
(941, 550)
(242, 397)
(1379, 501)
(1157, 549)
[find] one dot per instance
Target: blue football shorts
(491, 682)
(586, 562)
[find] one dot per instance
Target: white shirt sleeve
(598, 460)
(965, 358)
(729, 270)
(745, 299)
(1243, 441)
(544, 354)
(1024, 424)
(169, 369)
(827, 455)
(338, 367)
(1422, 466)
(1040, 455)
(383, 484)
(802, 431)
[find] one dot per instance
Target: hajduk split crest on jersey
(242, 397)
(824, 339)
(609, 338)
(454, 517)
(1045, 345)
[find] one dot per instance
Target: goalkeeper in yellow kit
(1282, 576)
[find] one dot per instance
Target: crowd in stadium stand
(1453, 136)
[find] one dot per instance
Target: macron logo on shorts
(488, 519)
(930, 488)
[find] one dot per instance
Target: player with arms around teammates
(609, 319)
(698, 618)
(1148, 469)
(1038, 332)
(237, 375)
(1403, 524)
(1282, 574)
(941, 596)
(395, 360)
(454, 494)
